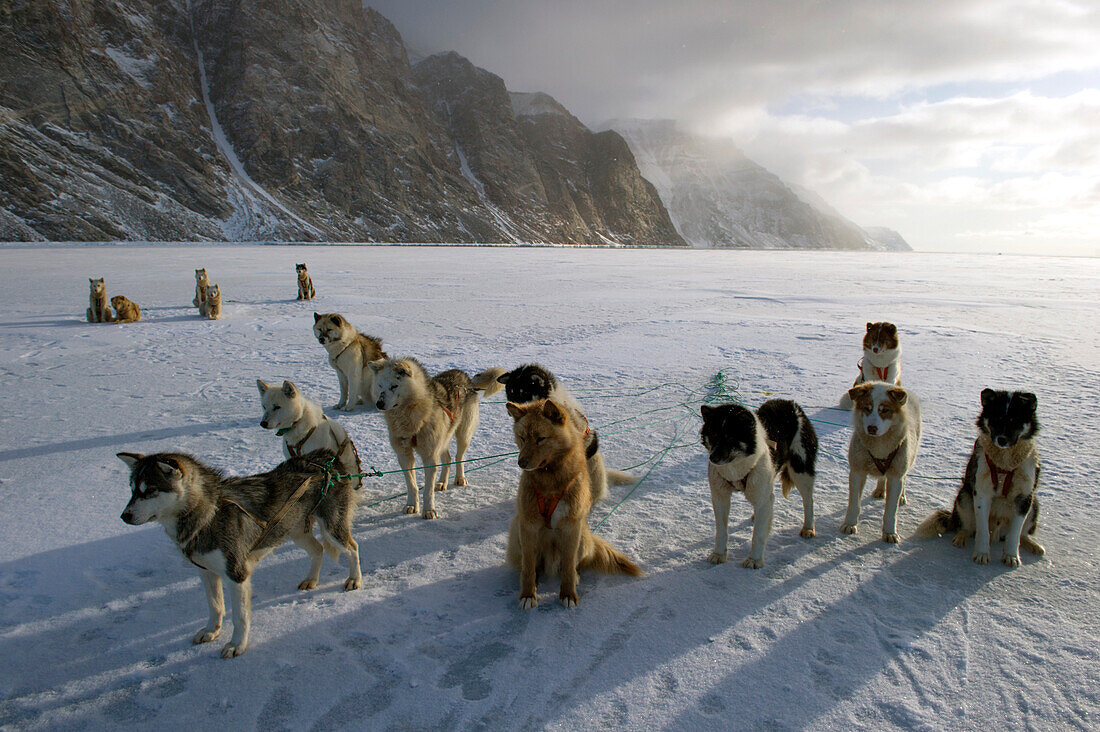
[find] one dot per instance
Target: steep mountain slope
(717, 197)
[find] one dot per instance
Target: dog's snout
(875, 349)
(1001, 441)
(263, 423)
(127, 517)
(380, 404)
(872, 429)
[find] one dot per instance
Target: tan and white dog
(886, 428)
(126, 311)
(881, 359)
(202, 284)
(349, 352)
(305, 428)
(211, 308)
(98, 310)
(423, 413)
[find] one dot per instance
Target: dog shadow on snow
(113, 635)
(123, 439)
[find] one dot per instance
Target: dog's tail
(785, 481)
(487, 381)
(846, 401)
(937, 524)
(604, 558)
(618, 477)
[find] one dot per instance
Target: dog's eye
(540, 440)
(275, 408)
(393, 387)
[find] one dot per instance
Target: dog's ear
(898, 396)
(316, 317)
(890, 328)
(706, 410)
(1028, 399)
(170, 467)
(503, 378)
(553, 412)
(376, 366)
(515, 410)
(870, 326)
(289, 389)
(337, 320)
(402, 369)
(262, 386)
(987, 397)
(130, 458)
(91, 280)
(859, 392)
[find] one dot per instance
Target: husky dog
(98, 311)
(881, 362)
(886, 426)
(304, 427)
(202, 282)
(225, 526)
(746, 451)
(126, 311)
(211, 308)
(423, 413)
(349, 352)
(549, 533)
(998, 489)
(305, 284)
(530, 383)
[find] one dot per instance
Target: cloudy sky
(964, 124)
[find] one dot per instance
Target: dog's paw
(849, 528)
(528, 602)
(981, 557)
(1011, 560)
(1033, 546)
(961, 539)
(429, 514)
(879, 492)
(232, 650)
(889, 538)
(461, 481)
(441, 486)
(338, 405)
(751, 563)
(349, 408)
(807, 533)
(412, 509)
(353, 583)
(902, 500)
(205, 636)
(716, 558)
(568, 599)
(307, 584)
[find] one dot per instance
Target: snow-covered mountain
(718, 197)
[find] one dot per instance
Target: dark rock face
(719, 198)
(549, 177)
(284, 120)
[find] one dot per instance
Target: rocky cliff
(717, 197)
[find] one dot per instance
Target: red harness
(880, 372)
(547, 504)
(994, 473)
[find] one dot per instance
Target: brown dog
(549, 533)
(126, 311)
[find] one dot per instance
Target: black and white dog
(746, 451)
(532, 382)
(1002, 475)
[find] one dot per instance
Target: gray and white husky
(226, 525)
(423, 413)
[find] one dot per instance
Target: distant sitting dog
(422, 414)
(126, 311)
(881, 360)
(746, 451)
(886, 428)
(549, 533)
(304, 427)
(998, 490)
(305, 284)
(349, 352)
(202, 283)
(225, 526)
(98, 311)
(212, 306)
(530, 383)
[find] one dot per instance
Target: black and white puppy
(1002, 475)
(746, 451)
(532, 382)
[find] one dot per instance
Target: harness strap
(994, 472)
(295, 450)
(547, 504)
(282, 512)
(449, 413)
(242, 509)
(881, 372)
(883, 464)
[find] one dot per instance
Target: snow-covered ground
(839, 631)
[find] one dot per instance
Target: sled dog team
(208, 298)
(226, 525)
